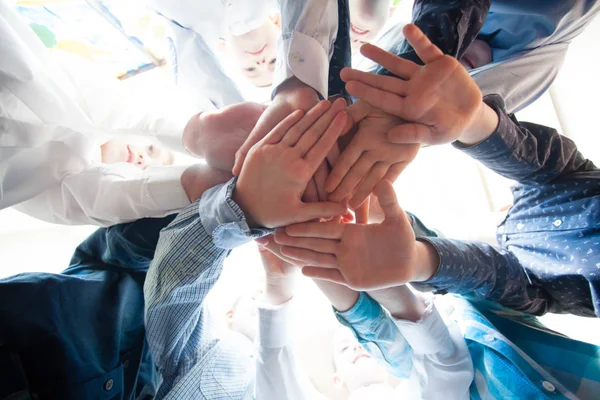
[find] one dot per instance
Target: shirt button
(488, 338)
(557, 223)
(548, 386)
(108, 385)
(520, 226)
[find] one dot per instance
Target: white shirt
(442, 366)
(308, 31)
(278, 374)
(53, 117)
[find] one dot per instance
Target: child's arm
(432, 357)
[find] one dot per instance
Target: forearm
(342, 298)
(401, 302)
(526, 152)
(481, 271)
(109, 194)
(186, 266)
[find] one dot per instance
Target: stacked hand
(277, 169)
(217, 135)
(370, 157)
(363, 257)
(439, 100)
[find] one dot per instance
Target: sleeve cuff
(429, 335)
(499, 143)
(363, 312)
(275, 324)
(223, 219)
(164, 187)
(302, 57)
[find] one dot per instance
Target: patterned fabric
(450, 25)
(371, 325)
(513, 355)
(342, 56)
(549, 255)
(195, 360)
(80, 334)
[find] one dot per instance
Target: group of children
(452, 80)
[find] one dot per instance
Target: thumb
(387, 199)
(323, 209)
(357, 112)
(410, 133)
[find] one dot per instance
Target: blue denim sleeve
(377, 332)
(483, 272)
(525, 152)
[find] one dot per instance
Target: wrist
(191, 135)
(428, 261)
(279, 292)
(240, 199)
(482, 127)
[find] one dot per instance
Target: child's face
(140, 155)
(367, 18)
(478, 54)
(255, 53)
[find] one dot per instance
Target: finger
(357, 112)
(309, 257)
(320, 149)
(427, 51)
(362, 212)
(386, 195)
(352, 178)
(295, 133)
(331, 275)
(366, 187)
(345, 162)
(322, 209)
(276, 249)
(400, 67)
(315, 244)
(319, 178)
(383, 82)
(411, 133)
(311, 134)
(333, 155)
(388, 102)
(283, 127)
(395, 171)
(323, 230)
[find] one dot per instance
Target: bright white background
(448, 190)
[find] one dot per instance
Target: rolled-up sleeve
(440, 351)
(375, 330)
(308, 30)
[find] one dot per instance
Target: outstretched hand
(440, 99)
(362, 257)
(278, 168)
